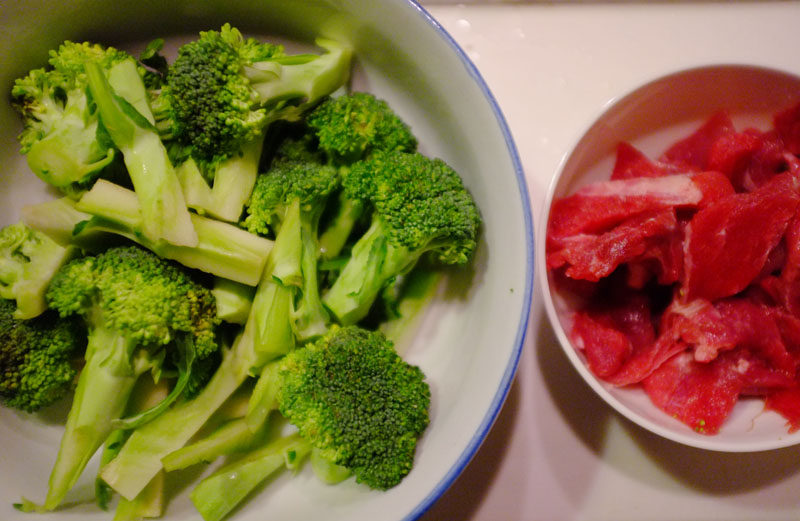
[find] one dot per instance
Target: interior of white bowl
(469, 342)
(651, 117)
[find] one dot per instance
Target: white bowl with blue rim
(470, 340)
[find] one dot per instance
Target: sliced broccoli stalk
(128, 335)
(416, 293)
(55, 218)
(234, 300)
(149, 504)
(267, 334)
(232, 437)
(223, 249)
(218, 494)
(104, 386)
(61, 138)
(232, 182)
(36, 358)
(165, 215)
(28, 260)
(419, 206)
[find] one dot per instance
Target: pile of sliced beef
(689, 265)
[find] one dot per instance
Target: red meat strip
(609, 334)
(728, 242)
(692, 152)
(702, 395)
(630, 163)
(786, 402)
(593, 257)
(787, 124)
(598, 207)
(663, 260)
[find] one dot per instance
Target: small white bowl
(651, 117)
(470, 341)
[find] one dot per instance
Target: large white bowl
(651, 117)
(470, 342)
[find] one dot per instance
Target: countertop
(557, 451)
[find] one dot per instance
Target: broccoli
(121, 100)
(231, 182)
(28, 260)
(307, 184)
(418, 205)
(349, 128)
(224, 89)
(36, 358)
(223, 249)
(267, 334)
(61, 138)
(142, 313)
(356, 404)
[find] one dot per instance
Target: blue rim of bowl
(508, 377)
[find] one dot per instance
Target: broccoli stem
(335, 235)
(234, 181)
(223, 249)
(234, 300)
(310, 318)
(139, 460)
(104, 385)
(374, 261)
(148, 504)
(264, 397)
(233, 436)
(218, 494)
(326, 470)
(164, 212)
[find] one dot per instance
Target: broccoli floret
(36, 358)
(349, 127)
(61, 138)
(419, 205)
(123, 110)
(224, 89)
(28, 260)
(354, 401)
(142, 313)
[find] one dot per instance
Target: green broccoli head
(349, 127)
(288, 180)
(223, 89)
(421, 202)
(61, 138)
(36, 358)
(28, 260)
(139, 295)
(357, 402)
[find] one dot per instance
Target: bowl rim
(511, 367)
(688, 438)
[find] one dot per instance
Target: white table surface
(557, 452)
